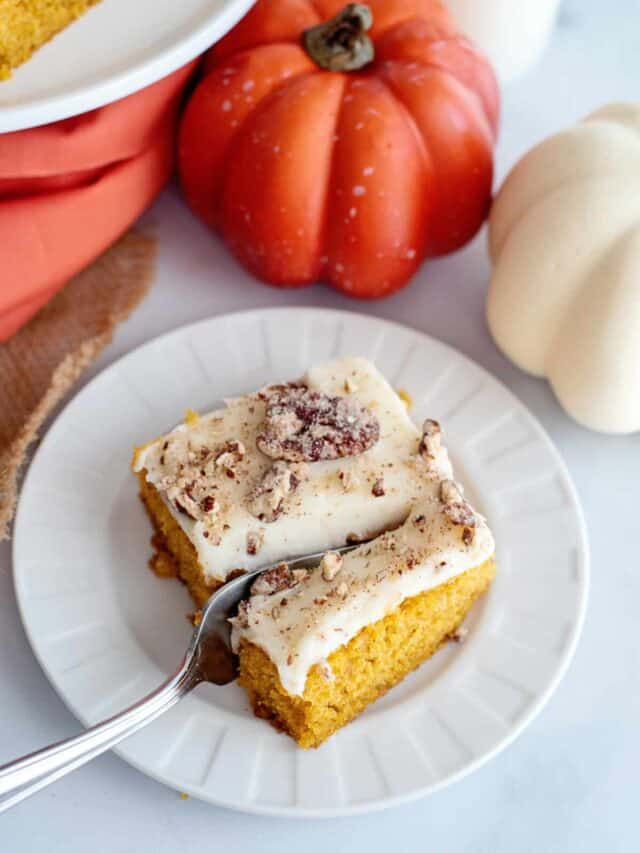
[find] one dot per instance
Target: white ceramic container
(513, 33)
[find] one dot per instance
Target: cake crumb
(459, 635)
(191, 418)
(163, 565)
(406, 398)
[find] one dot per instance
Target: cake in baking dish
(293, 468)
(316, 647)
(25, 25)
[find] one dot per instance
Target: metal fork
(208, 658)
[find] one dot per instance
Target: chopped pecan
(377, 490)
(450, 492)
(255, 539)
(242, 617)
(457, 510)
(208, 503)
(468, 533)
(330, 565)
(182, 507)
(301, 425)
(276, 388)
(342, 590)
(266, 500)
(276, 579)
(349, 480)
(273, 580)
(229, 456)
(431, 439)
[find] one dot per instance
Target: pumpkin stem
(342, 43)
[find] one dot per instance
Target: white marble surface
(570, 782)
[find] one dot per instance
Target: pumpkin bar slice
(26, 25)
(293, 468)
(316, 647)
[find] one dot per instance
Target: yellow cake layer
(376, 659)
(174, 545)
(25, 25)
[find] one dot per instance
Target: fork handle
(24, 776)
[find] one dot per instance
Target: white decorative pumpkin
(564, 240)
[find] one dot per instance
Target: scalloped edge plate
(139, 44)
(106, 630)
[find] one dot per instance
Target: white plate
(114, 49)
(106, 630)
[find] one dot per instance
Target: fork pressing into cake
(209, 657)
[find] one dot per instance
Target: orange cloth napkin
(69, 189)
(40, 363)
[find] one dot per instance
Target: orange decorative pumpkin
(345, 151)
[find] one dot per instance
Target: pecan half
(301, 425)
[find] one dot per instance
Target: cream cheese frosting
(242, 508)
(301, 624)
